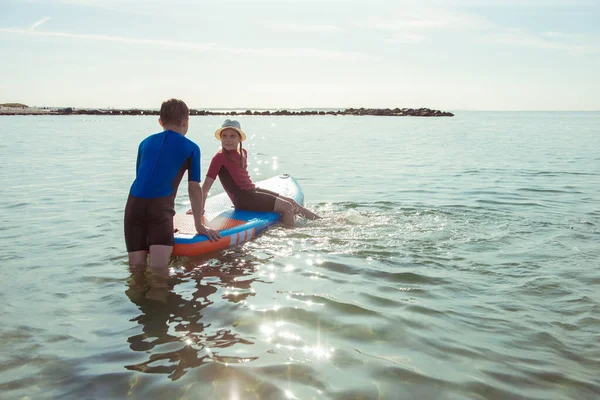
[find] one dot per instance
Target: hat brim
(218, 132)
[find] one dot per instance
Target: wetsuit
(237, 183)
(162, 160)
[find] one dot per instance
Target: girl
(231, 166)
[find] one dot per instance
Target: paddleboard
(235, 226)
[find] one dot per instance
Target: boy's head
(174, 112)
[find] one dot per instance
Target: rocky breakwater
(384, 112)
(396, 112)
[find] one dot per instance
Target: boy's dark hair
(174, 111)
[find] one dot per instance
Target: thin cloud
(406, 38)
(197, 46)
(37, 24)
(307, 28)
(410, 26)
(164, 43)
(523, 3)
(425, 19)
(103, 4)
(572, 43)
(298, 53)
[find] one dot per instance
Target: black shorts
(148, 222)
(256, 199)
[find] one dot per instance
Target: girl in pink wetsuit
(230, 165)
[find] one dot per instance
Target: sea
(456, 258)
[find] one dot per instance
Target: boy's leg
(137, 260)
(137, 286)
(136, 234)
(159, 273)
(159, 259)
(160, 235)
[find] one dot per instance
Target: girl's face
(230, 139)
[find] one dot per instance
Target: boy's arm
(197, 200)
(138, 159)
(213, 169)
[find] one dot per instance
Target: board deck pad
(235, 226)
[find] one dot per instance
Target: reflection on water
(173, 332)
(249, 341)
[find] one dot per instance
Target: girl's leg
(303, 212)
(266, 200)
(299, 210)
(286, 209)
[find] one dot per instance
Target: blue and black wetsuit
(162, 160)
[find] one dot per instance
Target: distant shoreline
(16, 109)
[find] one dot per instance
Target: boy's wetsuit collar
(171, 130)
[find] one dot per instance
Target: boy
(162, 160)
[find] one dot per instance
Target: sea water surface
(457, 258)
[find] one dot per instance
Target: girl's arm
(213, 169)
(205, 188)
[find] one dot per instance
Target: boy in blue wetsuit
(162, 160)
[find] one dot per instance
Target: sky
(274, 54)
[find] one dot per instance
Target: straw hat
(230, 124)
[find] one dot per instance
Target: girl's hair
(243, 160)
(174, 111)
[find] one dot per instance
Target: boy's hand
(211, 234)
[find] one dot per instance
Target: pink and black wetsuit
(237, 183)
